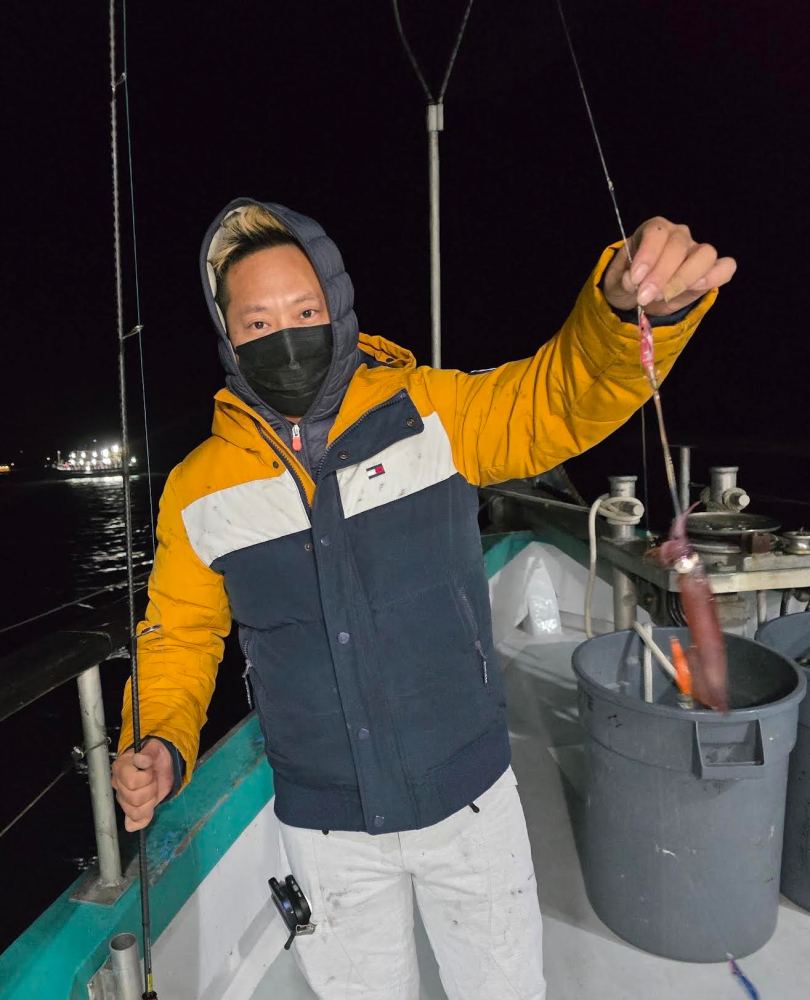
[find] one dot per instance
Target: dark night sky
(702, 108)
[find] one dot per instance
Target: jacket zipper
(287, 464)
(297, 443)
(296, 437)
(245, 672)
(479, 648)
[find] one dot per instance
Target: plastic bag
(543, 617)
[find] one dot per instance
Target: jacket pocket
(469, 616)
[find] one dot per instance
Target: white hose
(646, 637)
(618, 510)
(647, 665)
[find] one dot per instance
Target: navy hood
(337, 287)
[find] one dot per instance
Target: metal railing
(76, 651)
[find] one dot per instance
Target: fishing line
(668, 464)
(115, 83)
(139, 324)
(645, 484)
(591, 119)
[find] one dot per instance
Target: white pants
(476, 891)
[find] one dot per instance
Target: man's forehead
(275, 262)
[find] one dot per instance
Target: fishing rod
(116, 82)
(646, 342)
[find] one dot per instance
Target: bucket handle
(729, 751)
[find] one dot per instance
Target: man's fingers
(131, 778)
(628, 284)
(140, 796)
(672, 255)
(650, 240)
(137, 824)
(696, 267)
(144, 760)
(669, 269)
(138, 807)
(144, 811)
(720, 274)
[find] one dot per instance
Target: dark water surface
(59, 540)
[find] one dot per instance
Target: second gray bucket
(791, 635)
(683, 823)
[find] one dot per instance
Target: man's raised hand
(670, 269)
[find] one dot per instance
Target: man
(333, 515)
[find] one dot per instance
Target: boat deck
(583, 959)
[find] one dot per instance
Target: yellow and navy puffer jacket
(353, 567)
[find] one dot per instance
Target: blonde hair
(244, 231)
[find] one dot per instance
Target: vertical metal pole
(435, 124)
(98, 770)
(125, 963)
(686, 475)
(622, 486)
(722, 479)
(625, 597)
(647, 665)
(762, 606)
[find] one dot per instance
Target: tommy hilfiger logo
(375, 470)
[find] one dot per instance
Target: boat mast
(435, 124)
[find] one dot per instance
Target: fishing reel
(292, 904)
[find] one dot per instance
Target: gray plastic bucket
(682, 842)
(791, 635)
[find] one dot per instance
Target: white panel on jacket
(244, 515)
(410, 465)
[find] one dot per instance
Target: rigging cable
(76, 755)
(79, 601)
(414, 62)
(115, 83)
(410, 54)
(668, 464)
(454, 53)
(37, 797)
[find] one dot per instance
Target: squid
(707, 654)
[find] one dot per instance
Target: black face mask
(286, 368)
